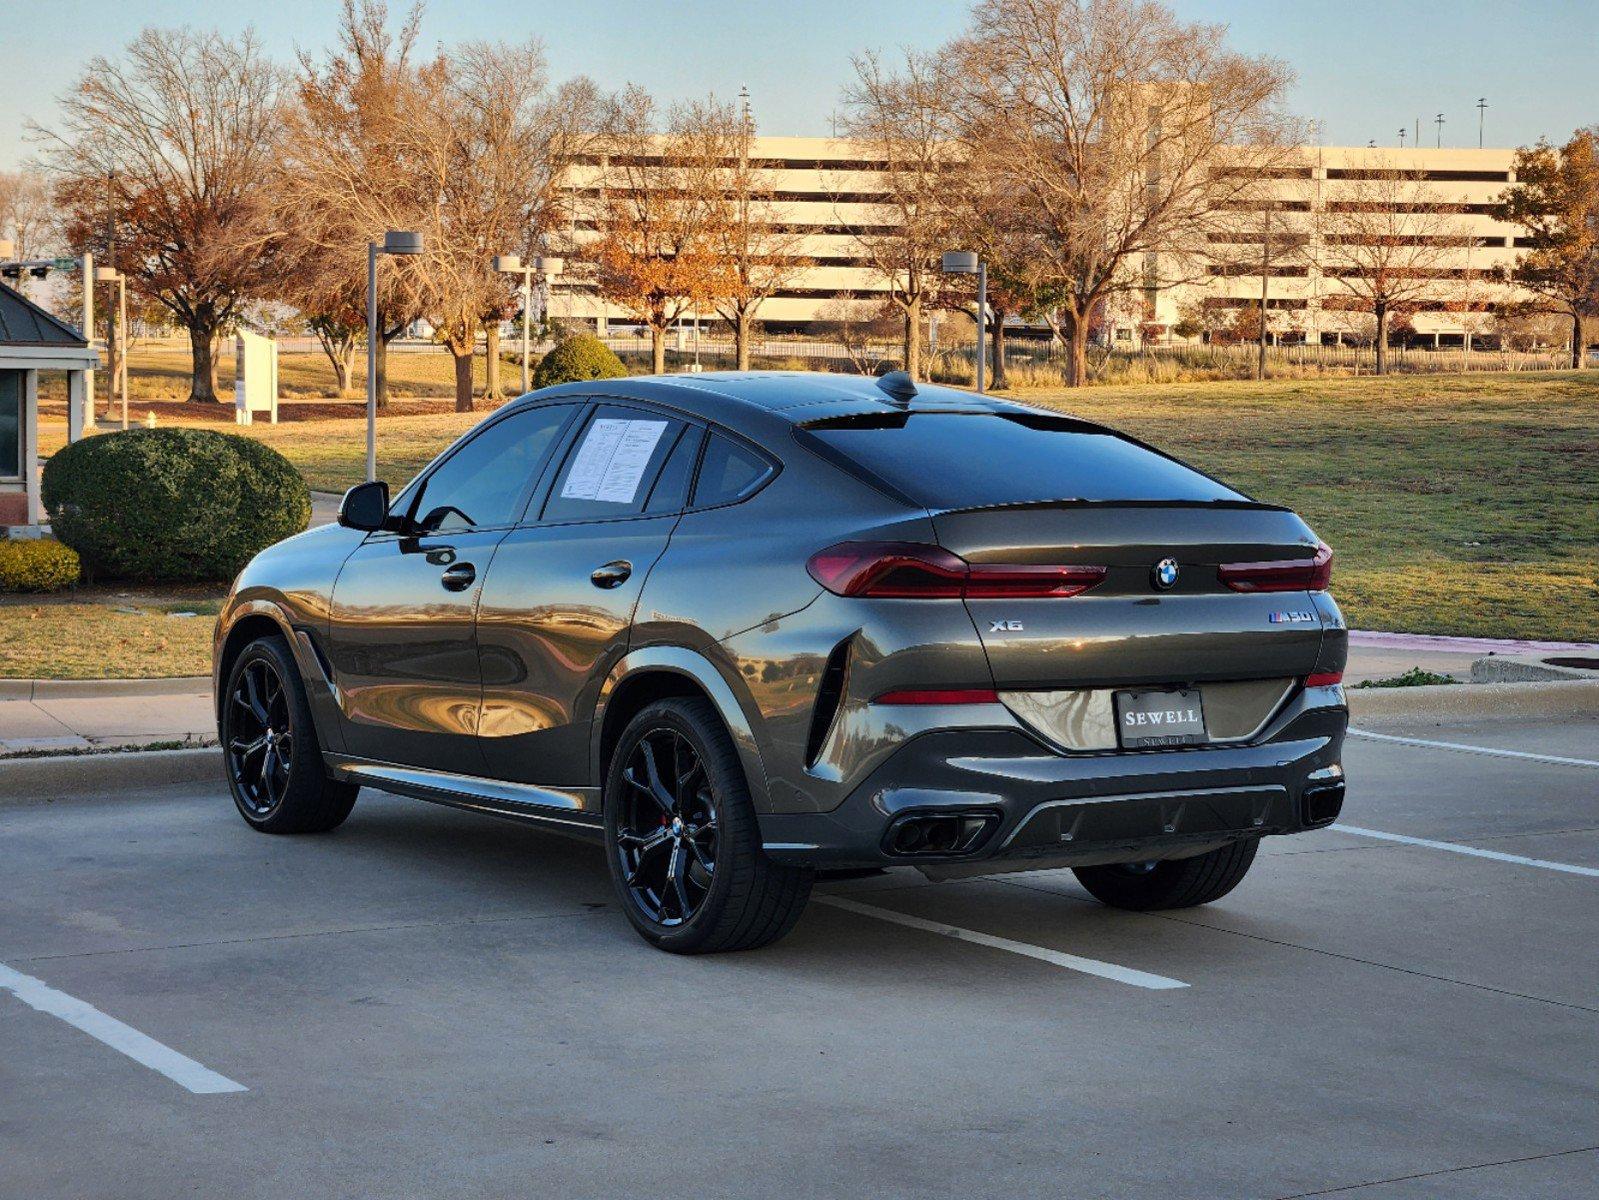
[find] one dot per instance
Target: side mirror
(365, 507)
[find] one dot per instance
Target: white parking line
(1455, 848)
(179, 1068)
(1410, 741)
(1072, 962)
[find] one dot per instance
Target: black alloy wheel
(666, 840)
(260, 742)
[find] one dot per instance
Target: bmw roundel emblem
(1164, 574)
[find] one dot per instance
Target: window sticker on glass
(611, 461)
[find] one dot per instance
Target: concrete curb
(1472, 701)
(28, 781)
(95, 689)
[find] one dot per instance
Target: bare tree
(1265, 234)
(27, 214)
(1388, 245)
(490, 133)
(1556, 200)
(761, 251)
(348, 173)
(183, 126)
(866, 330)
(1128, 131)
(897, 117)
(661, 204)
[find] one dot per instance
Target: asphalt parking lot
(432, 1004)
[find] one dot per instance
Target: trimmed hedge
(172, 504)
(578, 358)
(37, 565)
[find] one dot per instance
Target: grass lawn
(1457, 504)
(52, 640)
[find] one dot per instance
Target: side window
(485, 483)
(612, 465)
(670, 492)
(729, 472)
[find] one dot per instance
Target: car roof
(787, 397)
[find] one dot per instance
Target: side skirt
(577, 810)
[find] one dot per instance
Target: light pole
(1482, 105)
(548, 269)
(394, 242)
(512, 264)
(964, 262)
(119, 341)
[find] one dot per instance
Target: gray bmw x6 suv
(746, 628)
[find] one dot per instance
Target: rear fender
(699, 670)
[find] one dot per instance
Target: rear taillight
(1324, 679)
(1290, 575)
(911, 570)
(940, 696)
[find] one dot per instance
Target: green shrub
(172, 504)
(37, 565)
(578, 358)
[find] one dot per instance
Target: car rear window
(964, 460)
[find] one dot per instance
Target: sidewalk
(79, 715)
(67, 715)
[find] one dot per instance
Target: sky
(1364, 67)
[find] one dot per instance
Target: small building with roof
(31, 341)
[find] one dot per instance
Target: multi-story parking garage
(1432, 209)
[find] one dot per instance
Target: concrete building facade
(830, 191)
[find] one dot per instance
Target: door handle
(612, 574)
(458, 577)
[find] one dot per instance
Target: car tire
(1171, 883)
(664, 824)
(270, 752)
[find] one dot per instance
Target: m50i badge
(1292, 617)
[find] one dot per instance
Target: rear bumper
(1056, 809)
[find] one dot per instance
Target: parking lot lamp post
(548, 269)
(394, 242)
(119, 369)
(512, 264)
(964, 262)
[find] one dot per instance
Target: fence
(1039, 362)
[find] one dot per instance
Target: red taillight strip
(1289, 575)
(908, 571)
(940, 696)
(1324, 679)
(984, 580)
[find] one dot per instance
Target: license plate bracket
(1151, 718)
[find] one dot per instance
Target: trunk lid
(1127, 631)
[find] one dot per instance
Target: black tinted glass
(612, 465)
(670, 492)
(10, 423)
(959, 460)
(485, 483)
(729, 472)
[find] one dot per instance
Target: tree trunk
(741, 339)
(998, 381)
(1577, 347)
(657, 350)
(203, 378)
(465, 402)
(1382, 340)
(1077, 358)
(381, 353)
(491, 367)
(913, 338)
